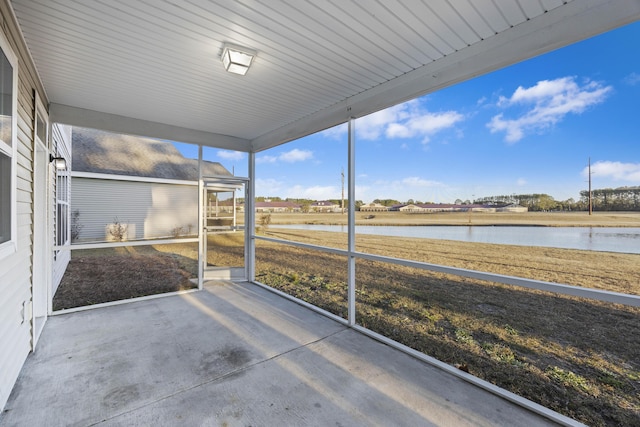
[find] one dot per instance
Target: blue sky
(528, 128)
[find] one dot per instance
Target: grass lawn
(575, 356)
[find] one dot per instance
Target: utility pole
(590, 194)
(342, 173)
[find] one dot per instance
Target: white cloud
(266, 159)
(273, 187)
(407, 120)
(230, 155)
(336, 132)
(296, 155)
(316, 192)
(268, 187)
(417, 182)
(546, 103)
(411, 187)
(617, 171)
(521, 182)
(292, 156)
(373, 126)
(632, 79)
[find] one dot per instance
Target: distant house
(513, 208)
(406, 208)
(445, 207)
(324, 206)
(373, 207)
(145, 184)
(439, 207)
(483, 208)
(282, 207)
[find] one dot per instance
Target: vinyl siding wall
(148, 209)
(16, 269)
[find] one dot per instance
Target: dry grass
(575, 356)
(96, 276)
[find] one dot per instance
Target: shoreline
(400, 219)
(463, 225)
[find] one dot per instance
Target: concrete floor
(235, 355)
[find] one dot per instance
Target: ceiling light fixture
(237, 59)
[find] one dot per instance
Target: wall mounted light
(59, 162)
(237, 59)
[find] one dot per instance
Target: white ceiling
(152, 66)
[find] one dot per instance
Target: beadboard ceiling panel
(153, 66)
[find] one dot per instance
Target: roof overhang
(154, 69)
(74, 116)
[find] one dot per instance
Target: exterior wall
(148, 209)
(487, 210)
(373, 207)
(514, 209)
(410, 208)
(280, 207)
(16, 268)
(325, 207)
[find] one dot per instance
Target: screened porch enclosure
(152, 223)
(321, 324)
(224, 229)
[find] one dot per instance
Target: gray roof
(103, 152)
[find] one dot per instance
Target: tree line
(603, 199)
(614, 199)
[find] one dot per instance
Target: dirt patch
(95, 276)
(104, 275)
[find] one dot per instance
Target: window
(5, 197)
(8, 101)
(62, 208)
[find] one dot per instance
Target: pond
(608, 239)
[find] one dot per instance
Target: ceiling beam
(575, 21)
(81, 117)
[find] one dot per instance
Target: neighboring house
(324, 206)
(373, 207)
(513, 208)
(406, 208)
(144, 184)
(280, 207)
(439, 207)
(444, 207)
(480, 208)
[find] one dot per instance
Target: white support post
(235, 223)
(202, 256)
(351, 221)
(250, 220)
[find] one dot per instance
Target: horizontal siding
(15, 269)
(150, 210)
